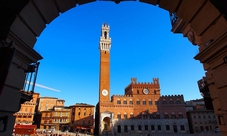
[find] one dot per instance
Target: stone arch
(25, 20)
(132, 127)
(106, 124)
(175, 130)
(119, 128)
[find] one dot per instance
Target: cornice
(24, 50)
(212, 49)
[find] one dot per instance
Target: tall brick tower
(104, 77)
(104, 83)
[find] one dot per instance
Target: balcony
(29, 84)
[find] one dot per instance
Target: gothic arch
(202, 21)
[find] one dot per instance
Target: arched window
(164, 102)
(144, 102)
(144, 115)
(158, 116)
(180, 115)
(125, 128)
(152, 127)
(156, 102)
(131, 102)
(119, 115)
(166, 115)
(182, 127)
(167, 127)
(178, 101)
(105, 34)
(125, 115)
(150, 102)
(173, 115)
(132, 127)
(139, 127)
(131, 115)
(159, 127)
(171, 102)
(125, 102)
(118, 101)
(138, 102)
(146, 127)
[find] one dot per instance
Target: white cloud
(45, 87)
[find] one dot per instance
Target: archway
(25, 20)
(106, 124)
(175, 129)
(119, 129)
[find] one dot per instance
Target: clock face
(104, 92)
(145, 91)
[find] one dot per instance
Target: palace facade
(141, 110)
(82, 118)
(27, 111)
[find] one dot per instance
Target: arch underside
(203, 22)
(31, 17)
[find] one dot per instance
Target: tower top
(155, 81)
(105, 25)
(105, 40)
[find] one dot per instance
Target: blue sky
(143, 46)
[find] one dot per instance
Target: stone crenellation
(122, 96)
(172, 95)
(155, 81)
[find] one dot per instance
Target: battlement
(122, 96)
(179, 95)
(155, 81)
(145, 83)
(106, 25)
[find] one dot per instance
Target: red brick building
(141, 109)
(82, 118)
(57, 118)
(26, 113)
